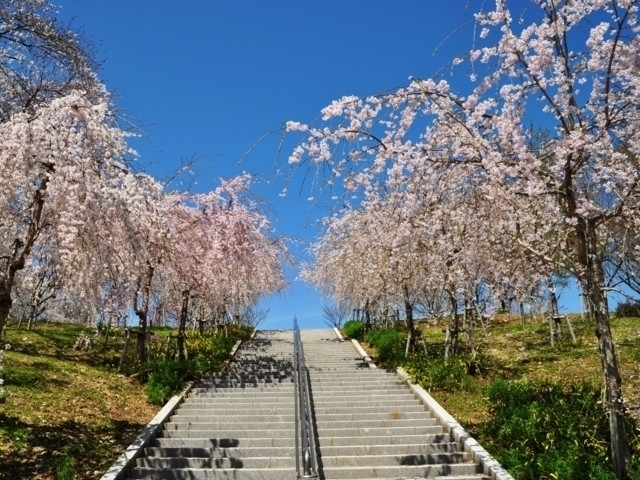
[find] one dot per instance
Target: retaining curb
(144, 439)
(490, 466)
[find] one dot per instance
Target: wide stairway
(240, 424)
(370, 425)
(233, 425)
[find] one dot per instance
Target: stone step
(419, 448)
(369, 402)
(246, 409)
(337, 441)
(207, 442)
(328, 409)
(223, 426)
(230, 452)
(220, 462)
(349, 459)
(238, 433)
(400, 471)
(329, 423)
(214, 474)
(250, 400)
(254, 417)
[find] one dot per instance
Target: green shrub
(167, 378)
(354, 329)
(436, 374)
(545, 430)
(628, 309)
(389, 343)
(209, 352)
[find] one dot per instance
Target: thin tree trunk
(594, 286)
(451, 340)
(411, 327)
(141, 308)
(182, 326)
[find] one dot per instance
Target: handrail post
(304, 431)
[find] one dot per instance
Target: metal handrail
(306, 460)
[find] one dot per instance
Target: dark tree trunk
(553, 299)
(5, 305)
(593, 284)
(182, 325)
(367, 316)
(411, 327)
(21, 250)
(451, 341)
(141, 308)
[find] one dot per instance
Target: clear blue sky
(208, 79)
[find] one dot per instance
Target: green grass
(522, 355)
(68, 413)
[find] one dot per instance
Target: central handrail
(306, 460)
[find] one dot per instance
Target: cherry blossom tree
(61, 169)
(223, 254)
(570, 67)
(40, 59)
(61, 151)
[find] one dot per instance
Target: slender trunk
(553, 300)
(411, 327)
(453, 326)
(141, 309)
(182, 326)
(367, 316)
(593, 283)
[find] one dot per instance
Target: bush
(389, 343)
(209, 352)
(436, 374)
(167, 378)
(628, 309)
(545, 430)
(354, 329)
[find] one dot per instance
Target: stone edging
(121, 466)
(359, 349)
(490, 466)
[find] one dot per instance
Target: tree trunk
(182, 326)
(411, 327)
(5, 305)
(553, 299)
(451, 342)
(367, 316)
(141, 308)
(593, 283)
(21, 250)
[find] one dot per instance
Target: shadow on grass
(36, 376)
(33, 451)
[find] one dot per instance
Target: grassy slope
(510, 350)
(66, 410)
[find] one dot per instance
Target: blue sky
(208, 79)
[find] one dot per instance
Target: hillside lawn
(68, 413)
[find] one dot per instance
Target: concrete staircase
(233, 425)
(370, 425)
(240, 424)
